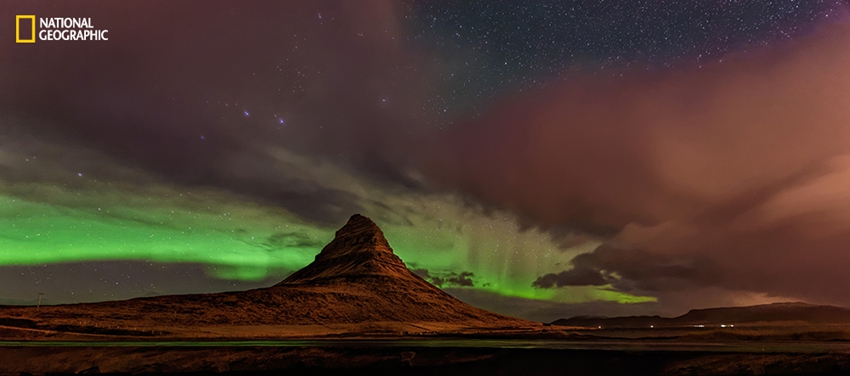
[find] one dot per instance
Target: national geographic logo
(56, 29)
(24, 17)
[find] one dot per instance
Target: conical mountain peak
(360, 232)
(358, 250)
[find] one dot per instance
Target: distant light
(722, 325)
(246, 113)
(731, 326)
(80, 174)
(652, 326)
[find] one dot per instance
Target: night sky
(541, 159)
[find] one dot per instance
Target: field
(754, 350)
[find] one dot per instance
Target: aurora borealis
(236, 239)
(565, 157)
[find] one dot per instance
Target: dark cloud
(446, 278)
(635, 271)
(572, 277)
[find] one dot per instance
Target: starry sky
(540, 159)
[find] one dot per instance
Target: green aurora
(240, 239)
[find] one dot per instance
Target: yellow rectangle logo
(18, 19)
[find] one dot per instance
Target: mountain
(765, 313)
(360, 263)
(358, 253)
(355, 285)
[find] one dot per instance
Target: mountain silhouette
(355, 284)
(764, 313)
(358, 252)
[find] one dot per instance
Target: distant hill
(356, 283)
(776, 312)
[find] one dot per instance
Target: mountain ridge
(355, 285)
(762, 313)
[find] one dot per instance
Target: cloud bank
(731, 175)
